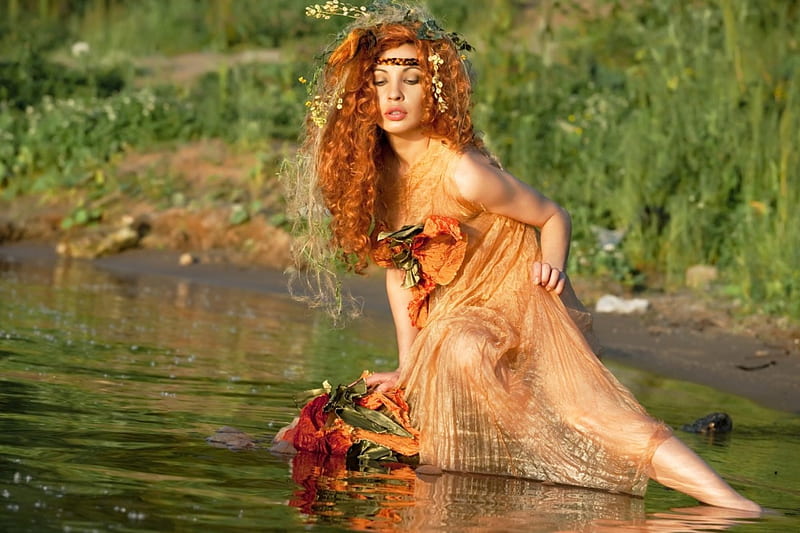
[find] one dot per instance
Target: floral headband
(398, 61)
(382, 11)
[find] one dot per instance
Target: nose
(395, 93)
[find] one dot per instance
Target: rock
(100, 241)
(231, 438)
(282, 447)
(428, 470)
(716, 423)
(187, 259)
(98, 244)
(700, 276)
(608, 303)
(9, 231)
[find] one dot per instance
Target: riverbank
(681, 336)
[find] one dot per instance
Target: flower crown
(429, 29)
(379, 11)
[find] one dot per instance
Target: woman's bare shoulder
(474, 171)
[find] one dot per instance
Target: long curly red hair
(353, 147)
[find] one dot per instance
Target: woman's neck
(408, 151)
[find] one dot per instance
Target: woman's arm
(499, 192)
(406, 333)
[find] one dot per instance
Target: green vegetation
(672, 122)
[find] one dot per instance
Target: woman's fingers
(549, 277)
(541, 272)
(383, 381)
(562, 281)
(376, 379)
(385, 386)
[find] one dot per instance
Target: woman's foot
(678, 467)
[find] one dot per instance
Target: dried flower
(333, 422)
(319, 108)
(436, 60)
(431, 254)
(334, 7)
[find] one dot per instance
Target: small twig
(756, 367)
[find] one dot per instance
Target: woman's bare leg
(678, 467)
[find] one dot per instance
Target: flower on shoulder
(440, 248)
(430, 254)
(420, 297)
(383, 252)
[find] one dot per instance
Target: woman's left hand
(549, 277)
(383, 381)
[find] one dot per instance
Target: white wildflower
(80, 48)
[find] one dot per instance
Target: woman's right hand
(383, 381)
(551, 278)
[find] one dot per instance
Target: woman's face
(397, 79)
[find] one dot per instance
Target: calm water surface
(110, 384)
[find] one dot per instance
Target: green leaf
(81, 217)
(375, 421)
(342, 402)
(404, 233)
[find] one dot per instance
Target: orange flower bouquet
(365, 426)
(430, 254)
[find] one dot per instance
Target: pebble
(608, 303)
(187, 259)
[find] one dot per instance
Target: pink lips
(395, 113)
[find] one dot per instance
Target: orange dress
(501, 379)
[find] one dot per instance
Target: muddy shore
(679, 337)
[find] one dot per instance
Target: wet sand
(675, 346)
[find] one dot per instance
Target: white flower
(80, 48)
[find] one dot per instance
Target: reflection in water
(335, 495)
(109, 384)
(396, 499)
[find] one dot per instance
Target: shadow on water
(110, 382)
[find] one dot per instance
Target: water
(110, 383)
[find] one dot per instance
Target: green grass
(672, 121)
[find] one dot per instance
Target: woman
(500, 378)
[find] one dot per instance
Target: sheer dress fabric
(502, 379)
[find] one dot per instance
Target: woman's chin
(400, 129)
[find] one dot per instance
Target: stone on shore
(608, 303)
(701, 276)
